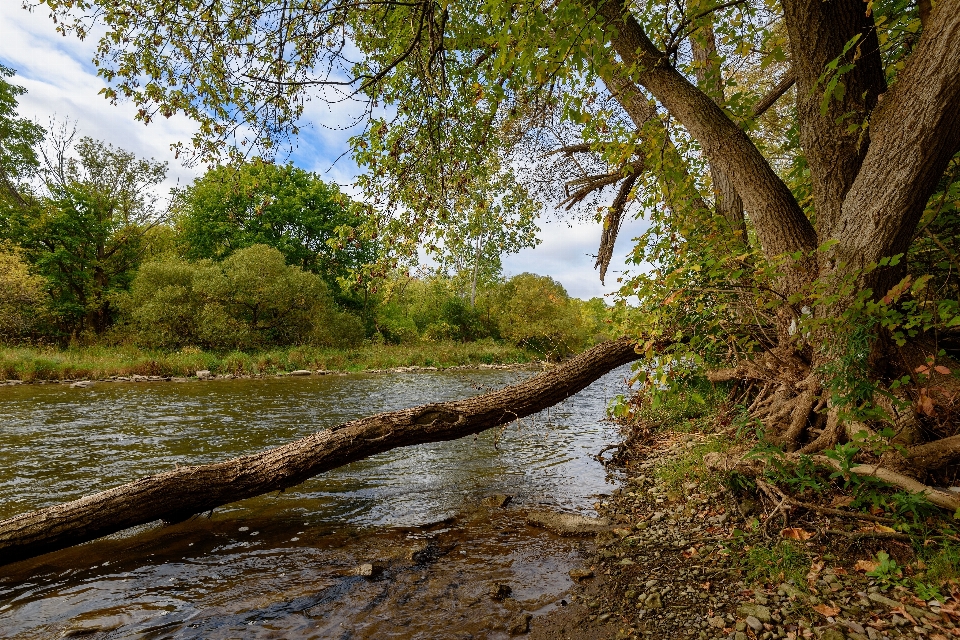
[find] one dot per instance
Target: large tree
(783, 231)
(310, 222)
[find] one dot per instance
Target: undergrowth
(777, 544)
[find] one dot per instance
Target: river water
(285, 565)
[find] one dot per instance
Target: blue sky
(62, 83)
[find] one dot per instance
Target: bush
(536, 312)
(22, 297)
(250, 300)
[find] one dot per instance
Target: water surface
(283, 565)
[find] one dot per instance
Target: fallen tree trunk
(177, 495)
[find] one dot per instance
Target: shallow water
(283, 565)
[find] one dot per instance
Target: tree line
(251, 255)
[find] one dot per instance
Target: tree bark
(176, 495)
(781, 226)
(710, 78)
(818, 33)
(915, 132)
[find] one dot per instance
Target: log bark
(177, 495)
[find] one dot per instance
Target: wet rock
(567, 524)
(758, 611)
(300, 372)
(497, 501)
(179, 379)
(369, 570)
(499, 591)
(520, 624)
(581, 574)
(83, 628)
(82, 384)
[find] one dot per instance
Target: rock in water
(520, 625)
(499, 591)
(82, 384)
(203, 373)
(497, 500)
(567, 524)
(368, 570)
(300, 372)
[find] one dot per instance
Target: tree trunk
(176, 495)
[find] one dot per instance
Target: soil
(673, 566)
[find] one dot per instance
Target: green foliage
(85, 236)
(535, 311)
(22, 297)
(252, 299)
(19, 138)
(310, 222)
(781, 562)
(887, 573)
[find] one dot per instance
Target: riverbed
(286, 565)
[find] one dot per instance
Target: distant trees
(85, 232)
(18, 140)
(254, 255)
(310, 222)
(252, 299)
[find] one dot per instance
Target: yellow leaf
(866, 566)
(796, 533)
(826, 610)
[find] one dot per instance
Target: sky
(62, 84)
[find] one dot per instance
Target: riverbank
(712, 539)
(31, 364)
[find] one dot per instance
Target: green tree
(19, 138)
(85, 234)
(22, 297)
(641, 103)
(536, 312)
(250, 300)
(309, 221)
(494, 219)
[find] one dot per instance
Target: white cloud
(62, 82)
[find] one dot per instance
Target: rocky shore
(686, 560)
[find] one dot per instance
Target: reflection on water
(283, 565)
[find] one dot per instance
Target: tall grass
(42, 363)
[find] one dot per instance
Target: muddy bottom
(473, 576)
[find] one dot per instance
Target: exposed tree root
(940, 498)
(793, 409)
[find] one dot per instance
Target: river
(285, 565)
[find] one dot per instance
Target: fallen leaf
(840, 571)
(922, 369)
(826, 610)
(925, 403)
(942, 369)
(842, 501)
(866, 565)
(815, 569)
(689, 553)
(877, 528)
(796, 533)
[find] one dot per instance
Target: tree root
(773, 489)
(939, 498)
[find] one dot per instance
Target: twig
(824, 510)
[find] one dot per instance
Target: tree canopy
(785, 234)
(309, 221)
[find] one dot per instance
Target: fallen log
(179, 494)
